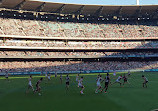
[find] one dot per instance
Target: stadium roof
(65, 8)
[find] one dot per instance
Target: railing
(76, 38)
(82, 72)
(51, 57)
(74, 48)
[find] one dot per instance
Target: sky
(106, 2)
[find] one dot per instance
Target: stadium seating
(110, 29)
(124, 29)
(39, 66)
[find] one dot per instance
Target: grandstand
(38, 36)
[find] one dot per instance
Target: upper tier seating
(124, 29)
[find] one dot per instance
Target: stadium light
(137, 2)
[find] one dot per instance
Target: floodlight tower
(137, 2)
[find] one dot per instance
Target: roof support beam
(155, 13)
(99, 11)
(59, 10)
(40, 8)
(20, 5)
(118, 12)
(79, 10)
(138, 11)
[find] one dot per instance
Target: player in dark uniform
(7, 76)
(61, 78)
(67, 82)
(38, 88)
(125, 80)
(107, 81)
(55, 75)
(145, 81)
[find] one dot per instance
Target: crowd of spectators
(39, 66)
(122, 29)
(83, 30)
(73, 54)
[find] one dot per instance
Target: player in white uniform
(46, 76)
(77, 77)
(98, 83)
(30, 84)
(49, 75)
(80, 84)
(118, 80)
(114, 74)
(129, 73)
(145, 81)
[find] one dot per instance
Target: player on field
(49, 75)
(61, 78)
(125, 79)
(145, 81)
(7, 76)
(38, 88)
(107, 81)
(46, 75)
(129, 73)
(80, 84)
(77, 77)
(98, 83)
(30, 84)
(118, 80)
(67, 82)
(114, 74)
(55, 74)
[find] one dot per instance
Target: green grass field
(54, 97)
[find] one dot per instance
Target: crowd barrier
(77, 72)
